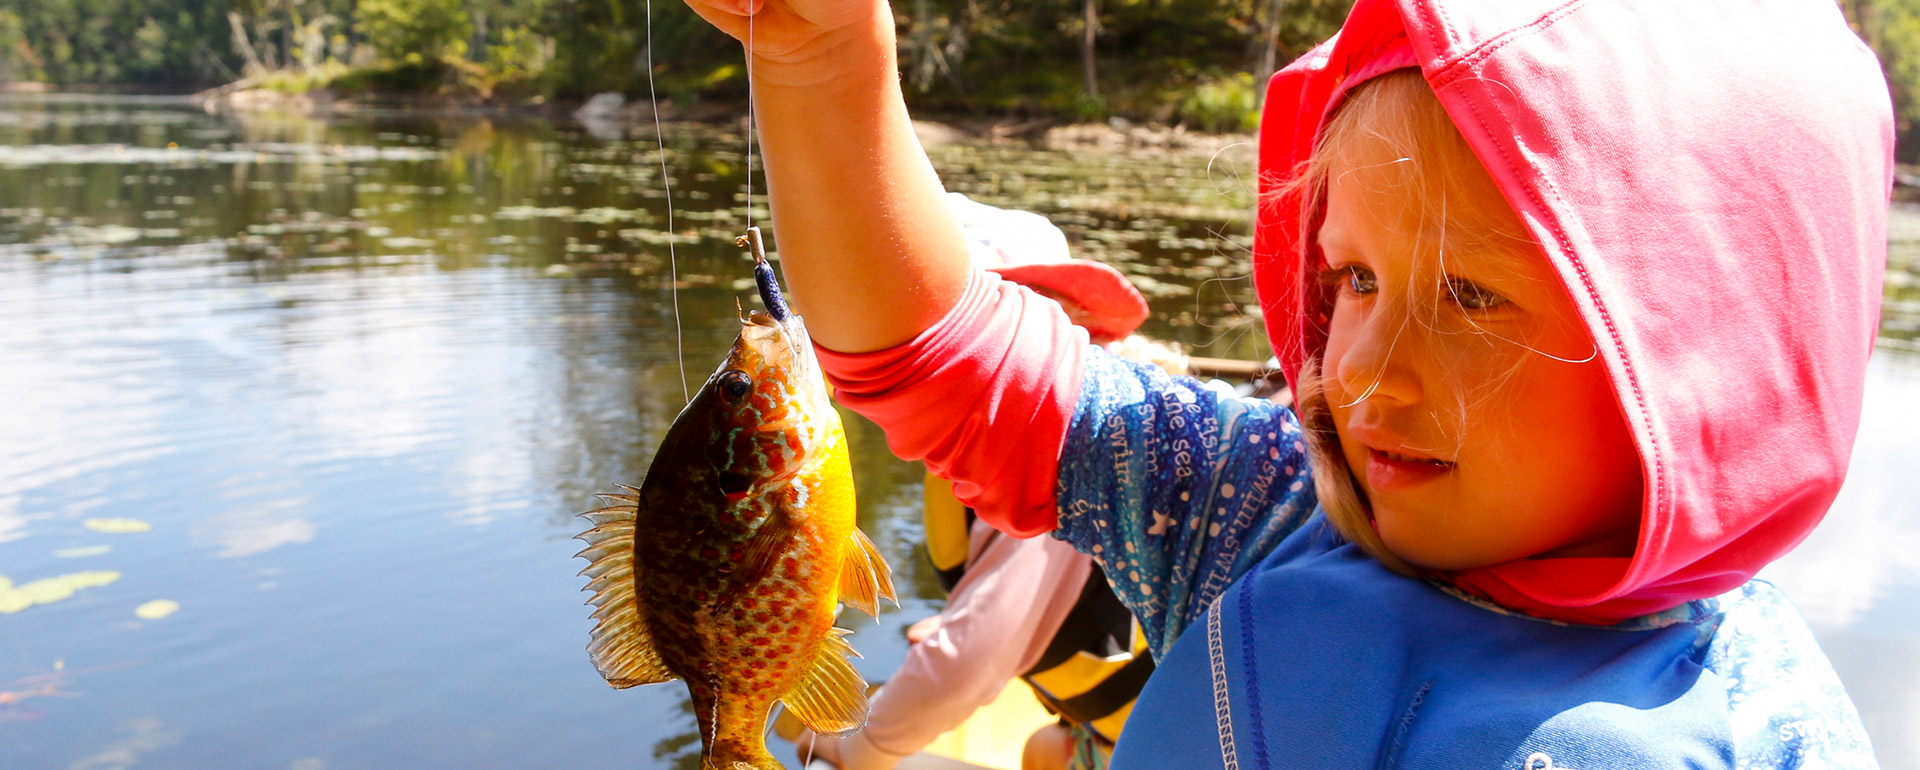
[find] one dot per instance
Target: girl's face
(1468, 400)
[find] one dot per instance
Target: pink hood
(1710, 180)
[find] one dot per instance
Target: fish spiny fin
(865, 577)
(832, 700)
(621, 648)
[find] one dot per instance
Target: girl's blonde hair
(1396, 120)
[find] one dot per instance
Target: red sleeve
(984, 396)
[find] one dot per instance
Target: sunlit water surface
(358, 374)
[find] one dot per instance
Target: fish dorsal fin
(865, 577)
(621, 648)
(832, 700)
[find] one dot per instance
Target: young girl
(1577, 297)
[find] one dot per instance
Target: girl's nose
(1372, 364)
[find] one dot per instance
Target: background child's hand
(798, 37)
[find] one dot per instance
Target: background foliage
(1185, 61)
(1892, 29)
(1168, 60)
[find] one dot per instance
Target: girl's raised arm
(1175, 489)
(870, 253)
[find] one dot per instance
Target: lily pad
(53, 589)
(76, 553)
(46, 591)
(157, 609)
(117, 526)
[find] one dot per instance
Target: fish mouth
(782, 345)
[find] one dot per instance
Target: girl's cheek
(1475, 380)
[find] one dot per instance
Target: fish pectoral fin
(773, 536)
(865, 577)
(832, 700)
(621, 646)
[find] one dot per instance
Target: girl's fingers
(735, 7)
(789, 34)
(738, 9)
(777, 26)
(724, 15)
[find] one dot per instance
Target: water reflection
(142, 736)
(1868, 549)
(256, 530)
(358, 375)
(1857, 577)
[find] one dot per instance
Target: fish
(724, 568)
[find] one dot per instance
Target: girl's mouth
(1388, 471)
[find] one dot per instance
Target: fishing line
(673, 262)
(749, 137)
(713, 722)
(763, 275)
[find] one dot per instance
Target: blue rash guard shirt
(1281, 646)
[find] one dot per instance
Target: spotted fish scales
(723, 569)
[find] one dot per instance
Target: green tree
(17, 60)
(1185, 60)
(415, 31)
(1892, 29)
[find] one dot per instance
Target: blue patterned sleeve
(1786, 706)
(1176, 489)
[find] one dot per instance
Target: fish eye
(735, 384)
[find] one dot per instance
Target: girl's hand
(799, 38)
(871, 255)
(919, 632)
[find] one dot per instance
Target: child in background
(1577, 297)
(1033, 608)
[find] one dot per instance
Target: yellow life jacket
(1092, 670)
(949, 525)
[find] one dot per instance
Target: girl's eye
(1351, 278)
(1473, 296)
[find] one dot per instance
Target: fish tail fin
(740, 751)
(763, 762)
(865, 577)
(832, 700)
(622, 648)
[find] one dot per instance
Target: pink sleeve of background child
(998, 623)
(984, 396)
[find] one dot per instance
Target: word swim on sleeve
(1176, 489)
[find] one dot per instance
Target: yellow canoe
(991, 739)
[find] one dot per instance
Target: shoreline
(611, 114)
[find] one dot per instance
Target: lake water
(358, 374)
